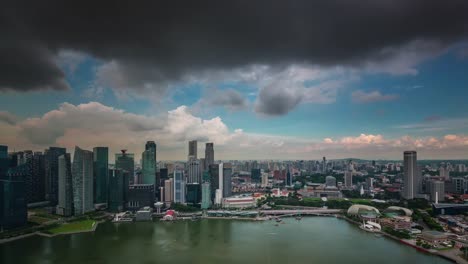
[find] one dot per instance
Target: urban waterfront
(311, 240)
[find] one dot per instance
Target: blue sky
(429, 103)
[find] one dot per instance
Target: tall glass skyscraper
(51, 173)
(209, 155)
(13, 208)
(116, 191)
(82, 173)
(151, 145)
(206, 195)
(148, 166)
(65, 186)
(4, 162)
(101, 174)
(179, 186)
(226, 178)
(125, 162)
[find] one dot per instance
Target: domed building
(398, 210)
(361, 210)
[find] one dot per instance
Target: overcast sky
(260, 79)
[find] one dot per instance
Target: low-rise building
(434, 237)
(144, 214)
(397, 223)
(239, 202)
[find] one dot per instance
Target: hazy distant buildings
(289, 180)
(348, 179)
(192, 149)
(264, 180)
(82, 173)
(255, 175)
(65, 186)
(209, 155)
(444, 173)
(437, 191)
(411, 179)
(51, 173)
(330, 182)
(101, 174)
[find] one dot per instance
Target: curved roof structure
(357, 209)
(407, 211)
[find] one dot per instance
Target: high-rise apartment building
(101, 174)
(82, 173)
(65, 186)
(411, 179)
(437, 191)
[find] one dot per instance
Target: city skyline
(267, 88)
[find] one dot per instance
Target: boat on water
(298, 218)
(278, 220)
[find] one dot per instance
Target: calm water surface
(311, 240)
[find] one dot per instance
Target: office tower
(151, 146)
(116, 190)
(330, 182)
(13, 208)
(289, 180)
(179, 186)
(101, 174)
(209, 155)
(214, 179)
(163, 175)
(348, 179)
(65, 186)
(82, 173)
(437, 191)
(219, 191)
(206, 195)
(161, 194)
(324, 165)
(38, 177)
(264, 180)
(125, 162)
(411, 175)
(227, 183)
(139, 196)
(192, 149)
(148, 167)
(168, 191)
(51, 173)
(4, 161)
(194, 195)
(255, 175)
(194, 172)
(444, 173)
(370, 183)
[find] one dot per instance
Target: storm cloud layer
(155, 42)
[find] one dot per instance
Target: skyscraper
(209, 155)
(148, 167)
(13, 208)
(51, 171)
(206, 196)
(38, 177)
(101, 174)
(437, 191)
(151, 146)
(348, 179)
(65, 186)
(194, 172)
(324, 165)
(116, 190)
(179, 186)
(125, 162)
(289, 181)
(214, 179)
(82, 173)
(168, 191)
(4, 162)
(411, 175)
(227, 180)
(192, 149)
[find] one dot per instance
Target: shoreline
(40, 233)
(451, 258)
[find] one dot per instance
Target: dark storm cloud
(173, 38)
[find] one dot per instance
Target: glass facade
(82, 172)
(101, 176)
